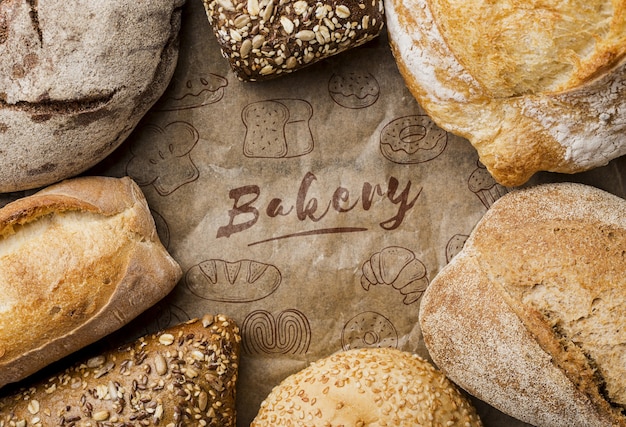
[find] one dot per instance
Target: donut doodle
(288, 333)
(239, 281)
(398, 267)
(277, 128)
(412, 139)
(484, 186)
(454, 246)
(192, 93)
(355, 89)
(161, 156)
(369, 329)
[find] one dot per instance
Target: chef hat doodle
(161, 156)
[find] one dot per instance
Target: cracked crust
(530, 316)
(75, 81)
(533, 87)
(78, 260)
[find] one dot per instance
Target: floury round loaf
(534, 86)
(78, 260)
(372, 387)
(75, 79)
(530, 316)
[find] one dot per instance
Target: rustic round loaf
(534, 87)
(367, 387)
(75, 78)
(530, 316)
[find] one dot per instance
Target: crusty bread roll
(263, 39)
(183, 376)
(534, 87)
(530, 316)
(78, 260)
(367, 387)
(75, 79)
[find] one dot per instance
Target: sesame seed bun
(367, 387)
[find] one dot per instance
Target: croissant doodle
(398, 267)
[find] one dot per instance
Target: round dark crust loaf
(367, 387)
(75, 79)
(185, 375)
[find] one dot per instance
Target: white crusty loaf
(183, 376)
(75, 79)
(533, 87)
(78, 260)
(530, 316)
(371, 387)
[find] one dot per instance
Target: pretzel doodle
(287, 333)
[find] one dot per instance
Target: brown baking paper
(313, 215)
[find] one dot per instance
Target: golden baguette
(78, 260)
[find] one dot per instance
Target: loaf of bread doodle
(78, 260)
(367, 387)
(183, 376)
(262, 39)
(533, 88)
(75, 79)
(530, 316)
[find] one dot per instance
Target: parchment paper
(290, 206)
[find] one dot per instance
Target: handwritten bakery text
(244, 213)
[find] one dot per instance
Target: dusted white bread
(530, 316)
(367, 387)
(78, 260)
(533, 87)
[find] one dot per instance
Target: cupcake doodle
(484, 186)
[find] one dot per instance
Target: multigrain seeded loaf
(533, 87)
(263, 39)
(183, 376)
(75, 79)
(530, 316)
(78, 260)
(371, 387)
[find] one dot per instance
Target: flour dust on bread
(75, 79)
(534, 87)
(530, 316)
(185, 375)
(78, 260)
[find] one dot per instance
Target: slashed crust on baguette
(78, 260)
